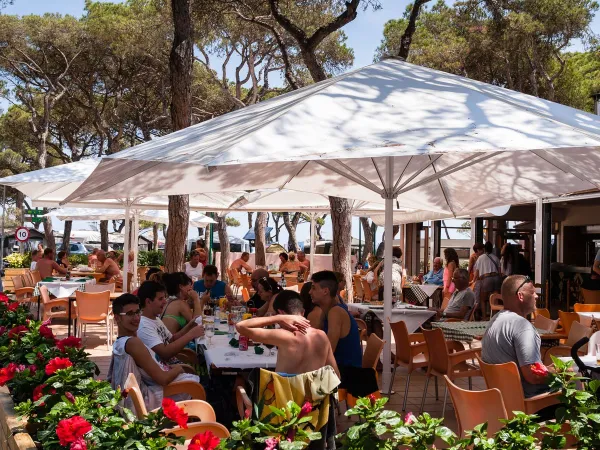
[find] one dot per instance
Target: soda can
(243, 343)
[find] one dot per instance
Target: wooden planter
(12, 431)
(7, 280)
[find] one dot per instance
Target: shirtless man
(242, 263)
(305, 263)
(109, 267)
(47, 264)
(301, 348)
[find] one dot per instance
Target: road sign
(22, 234)
(35, 219)
(35, 211)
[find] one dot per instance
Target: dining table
(412, 316)
(420, 294)
(586, 318)
(97, 275)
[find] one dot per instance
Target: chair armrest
(185, 387)
(416, 337)
(24, 290)
(187, 356)
(59, 302)
(463, 355)
(541, 401)
(421, 347)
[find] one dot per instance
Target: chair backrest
(92, 306)
(362, 328)
(496, 300)
(110, 287)
(18, 282)
(372, 352)
(473, 309)
(587, 307)
(136, 396)
(506, 378)
(358, 289)
(193, 429)
(245, 294)
(590, 297)
(243, 402)
(577, 332)
(567, 319)
(245, 280)
(402, 341)
(366, 290)
(35, 274)
(44, 294)
(141, 273)
(199, 409)
(544, 323)
(542, 312)
(437, 350)
(594, 340)
(475, 407)
(28, 279)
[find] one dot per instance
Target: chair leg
(445, 400)
(406, 391)
(393, 376)
(436, 389)
(424, 393)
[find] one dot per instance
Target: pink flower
(47, 322)
(410, 418)
(372, 399)
(247, 413)
(2, 330)
(272, 443)
(20, 368)
(539, 369)
(70, 397)
(32, 369)
(79, 444)
(306, 409)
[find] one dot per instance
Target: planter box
(7, 280)
(12, 431)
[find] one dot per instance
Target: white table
(221, 355)
(64, 289)
(414, 317)
(585, 318)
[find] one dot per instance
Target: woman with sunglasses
(267, 291)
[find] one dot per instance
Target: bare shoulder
(318, 335)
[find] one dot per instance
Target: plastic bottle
(283, 282)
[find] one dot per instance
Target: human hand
(177, 368)
(293, 323)
(196, 331)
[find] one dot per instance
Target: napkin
(259, 350)
(234, 343)
(220, 333)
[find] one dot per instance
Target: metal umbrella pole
(2, 241)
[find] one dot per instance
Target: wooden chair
(543, 323)
(243, 402)
(411, 352)
(372, 352)
(237, 281)
(245, 295)
(193, 429)
(443, 362)
(245, 280)
(368, 293)
(23, 293)
(475, 407)
(545, 312)
(590, 297)
(358, 287)
(496, 303)
(35, 274)
(28, 279)
(48, 304)
(586, 307)
(93, 308)
(577, 332)
(362, 329)
(110, 287)
(506, 378)
(566, 320)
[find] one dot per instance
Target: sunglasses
(137, 312)
(265, 284)
(525, 281)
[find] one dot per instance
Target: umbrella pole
(387, 276)
(126, 248)
(312, 242)
(135, 246)
(359, 240)
(2, 241)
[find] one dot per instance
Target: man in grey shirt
(463, 299)
(511, 337)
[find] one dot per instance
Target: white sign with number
(22, 234)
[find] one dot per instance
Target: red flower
(174, 412)
(247, 413)
(39, 356)
(306, 409)
(46, 333)
(70, 397)
(7, 373)
(13, 306)
(204, 441)
(79, 444)
(71, 341)
(57, 364)
(70, 430)
(2, 330)
(32, 369)
(18, 330)
(38, 392)
(372, 399)
(409, 418)
(3, 298)
(539, 369)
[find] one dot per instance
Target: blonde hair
(292, 256)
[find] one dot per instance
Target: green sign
(34, 212)
(38, 219)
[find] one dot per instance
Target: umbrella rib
(360, 179)
(294, 175)
(416, 174)
(443, 190)
(562, 166)
(402, 174)
(379, 173)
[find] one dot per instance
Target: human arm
(456, 315)
(58, 268)
(596, 267)
(331, 362)
(196, 305)
(247, 266)
(143, 359)
(178, 341)
(254, 328)
(527, 348)
(335, 319)
(315, 317)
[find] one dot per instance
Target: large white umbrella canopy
(427, 139)
(158, 216)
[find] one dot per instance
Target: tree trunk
(66, 235)
(207, 236)
(341, 225)
(224, 244)
(104, 235)
(19, 208)
(406, 39)
(50, 241)
(180, 65)
(290, 226)
(368, 232)
(155, 236)
(259, 239)
(318, 227)
(250, 220)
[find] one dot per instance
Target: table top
(429, 289)
(467, 331)
(404, 309)
(221, 355)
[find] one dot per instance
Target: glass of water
(209, 329)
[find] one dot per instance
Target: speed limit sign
(22, 234)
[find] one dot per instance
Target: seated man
(47, 264)
(304, 263)
(338, 323)
(108, 266)
(153, 332)
(210, 286)
(242, 263)
(301, 348)
(35, 257)
(511, 337)
(255, 301)
(93, 257)
(462, 300)
(130, 355)
(436, 274)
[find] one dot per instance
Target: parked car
(77, 248)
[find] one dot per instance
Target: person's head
(307, 302)
(257, 274)
(267, 288)
(292, 256)
(339, 276)
(195, 257)
(324, 288)
(288, 302)
(245, 257)
(397, 252)
(507, 252)
(460, 277)
(152, 271)
(210, 275)
(478, 248)
(372, 260)
(203, 257)
(35, 254)
(49, 253)
(95, 250)
(301, 256)
(40, 247)
(451, 256)
(152, 297)
(283, 257)
(101, 255)
(489, 247)
(437, 263)
(200, 243)
(178, 284)
(518, 294)
(157, 277)
(62, 254)
(126, 309)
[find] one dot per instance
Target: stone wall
(13, 435)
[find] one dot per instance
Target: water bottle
(217, 314)
(283, 282)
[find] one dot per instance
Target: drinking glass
(209, 331)
(598, 354)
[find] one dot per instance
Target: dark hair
(48, 251)
(122, 301)
(172, 281)
(489, 247)
(209, 269)
(289, 302)
(478, 246)
(270, 285)
(284, 255)
(148, 290)
(245, 254)
(451, 255)
(151, 271)
(34, 252)
(326, 279)
(397, 252)
(306, 298)
(194, 253)
(61, 254)
(507, 254)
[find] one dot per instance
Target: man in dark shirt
(255, 301)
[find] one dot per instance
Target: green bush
(152, 258)
(76, 260)
(18, 261)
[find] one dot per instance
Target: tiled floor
(95, 342)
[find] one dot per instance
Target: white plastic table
(585, 318)
(414, 317)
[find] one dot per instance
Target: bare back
(45, 267)
(305, 353)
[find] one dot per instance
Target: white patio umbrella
(427, 139)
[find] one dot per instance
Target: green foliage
(18, 260)
(76, 260)
(232, 222)
(152, 258)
